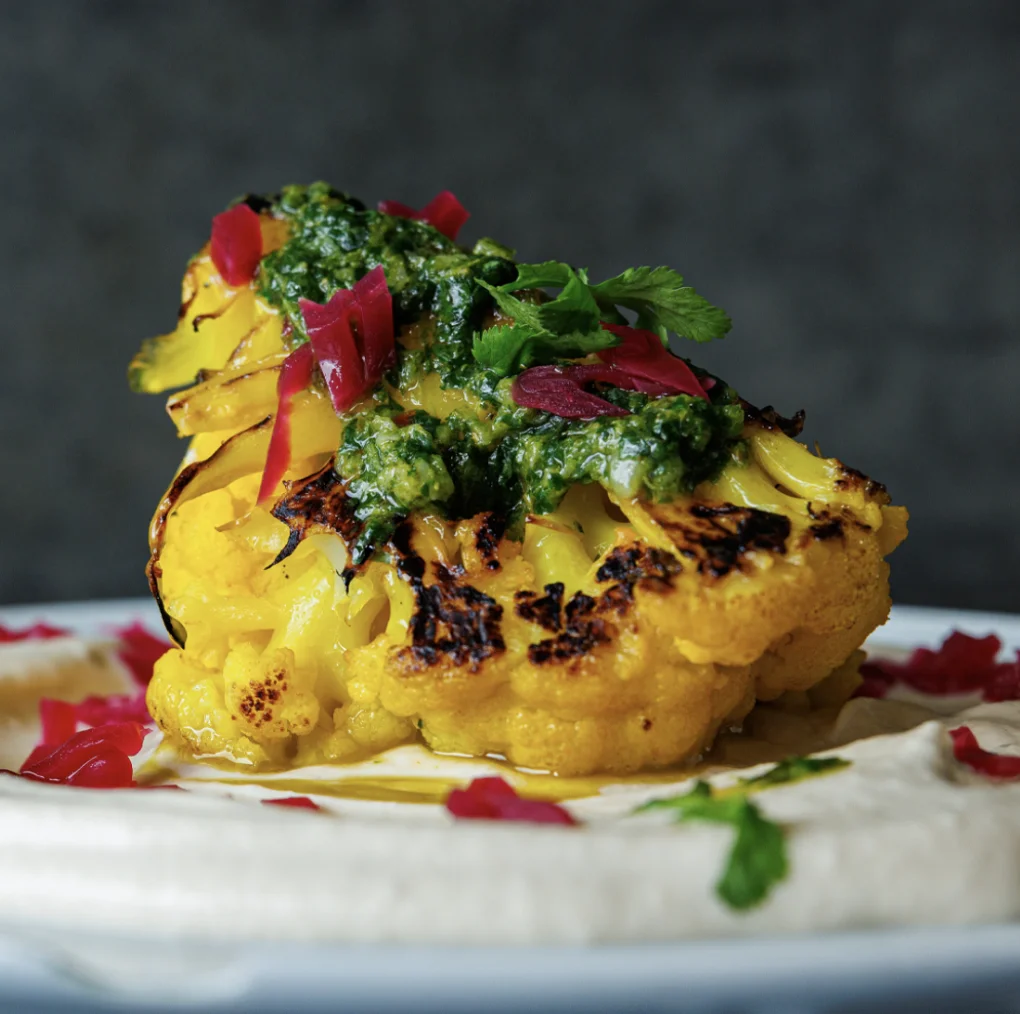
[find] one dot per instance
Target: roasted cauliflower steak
(612, 633)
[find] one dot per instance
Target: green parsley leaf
(510, 348)
(505, 348)
(547, 275)
(523, 313)
(663, 301)
(757, 858)
(573, 345)
(566, 327)
(574, 309)
(570, 325)
(795, 769)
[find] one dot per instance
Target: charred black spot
(769, 419)
(258, 203)
(634, 563)
(412, 567)
(401, 539)
(319, 503)
(617, 599)
(584, 625)
(579, 606)
(453, 623)
(731, 532)
(852, 479)
(618, 564)
(646, 724)
(583, 630)
(544, 610)
(490, 531)
(832, 528)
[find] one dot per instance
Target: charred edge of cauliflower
(620, 634)
(551, 654)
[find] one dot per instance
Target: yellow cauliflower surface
(618, 634)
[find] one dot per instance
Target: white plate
(958, 969)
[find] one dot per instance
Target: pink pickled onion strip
(967, 751)
(374, 307)
(236, 244)
(139, 650)
(444, 213)
(560, 390)
(352, 338)
(335, 348)
(59, 721)
(61, 763)
(353, 358)
(644, 358)
(874, 683)
(962, 665)
(298, 802)
(494, 799)
(398, 209)
(36, 632)
(106, 769)
(96, 711)
(295, 376)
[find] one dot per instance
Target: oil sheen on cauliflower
(609, 634)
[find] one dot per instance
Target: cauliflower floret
(616, 636)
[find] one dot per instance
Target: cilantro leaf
(510, 348)
(795, 769)
(757, 858)
(570, 325)
(572, 345)
(566, 327)
(523, 313)
(662, 300)
(547, 275)
(504, 348)
(574, 309)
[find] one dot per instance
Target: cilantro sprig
(794, 769)
(566, 327)
(757, 860)
(570, 325)
(663, 303)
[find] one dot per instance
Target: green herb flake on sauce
(757, 860)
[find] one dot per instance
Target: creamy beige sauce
(904, 835)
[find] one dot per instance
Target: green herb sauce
(335, 241)
(500, 457)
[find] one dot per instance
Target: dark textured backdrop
(842, 177)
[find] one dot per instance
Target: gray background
(841, 177)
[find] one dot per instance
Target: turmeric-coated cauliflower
(444, 560)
